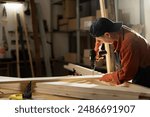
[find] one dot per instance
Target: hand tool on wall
(4, 38)
(4, 16)
(4, 13)
(27, 11)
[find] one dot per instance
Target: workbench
(73, 87)
(35, 96)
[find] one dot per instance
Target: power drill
(93, 57)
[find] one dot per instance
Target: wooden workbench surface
(73, 87)
(5, 93)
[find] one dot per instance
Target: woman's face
(106, 38)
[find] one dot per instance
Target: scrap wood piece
(81, 70)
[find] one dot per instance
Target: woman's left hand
(108, 78)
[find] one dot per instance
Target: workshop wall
(132, 10)
(10, 28)
(147, 17)
(61, 39)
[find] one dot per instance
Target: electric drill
(93, 57)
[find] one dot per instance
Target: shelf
(56, 1)
(81, 1)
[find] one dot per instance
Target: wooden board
(12, 86)
(27, 41)
(44, 79)
(36, 39)
(110, 55)
(92, 89)
(81, 70)
(82, 87)
(35, 96)
(46, 53)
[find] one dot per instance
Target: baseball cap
(102, 25)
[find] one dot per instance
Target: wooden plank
(27, 40)
(17, 45)
(83, 95)
(4, 92)
(41, 96)
(87, 95)
(36, 39)
(36, 96)
(42, 79)
(93, 91)
(111, 9)
(94, 87)
(12, 86)
(81, 70)
(84, 87)
(46, 51)
(109, 55)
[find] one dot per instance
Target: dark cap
(102, 25)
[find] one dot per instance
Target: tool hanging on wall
(4, 12)
(27, 11)
(4, 44)
(4, 38)
(4, 16)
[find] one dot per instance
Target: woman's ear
(107, 34)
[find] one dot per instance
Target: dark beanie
(102, 25)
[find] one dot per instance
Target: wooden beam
(45, 79)
(109, 55)
(36, 39)
(27, 40)
(45, 51)
(17, 45)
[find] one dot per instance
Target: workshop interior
(47, 51)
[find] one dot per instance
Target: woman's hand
(108, 78)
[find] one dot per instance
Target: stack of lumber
(92, 89)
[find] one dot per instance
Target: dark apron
(142, 77)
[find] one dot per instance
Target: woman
(132, 49)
